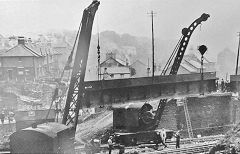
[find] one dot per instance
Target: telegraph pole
(148, 68)
(98, 53)
(152, 46)
(152, 15)
(237, 54)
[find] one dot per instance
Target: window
(21, 71)
(27, 72)
(122, 75)
(19, 59)
(112, 75)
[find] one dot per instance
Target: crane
(144, 129)
(76, 88)
(178, 53)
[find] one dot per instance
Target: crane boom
(179, 51)
(76, 87)
(186, 32)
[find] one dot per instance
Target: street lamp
(202, 49)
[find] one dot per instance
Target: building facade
(21, 63)
(113, 68)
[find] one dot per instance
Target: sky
(31, 17)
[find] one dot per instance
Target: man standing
(222, 85)
(163, 137)
(110, 144)
(177, 135)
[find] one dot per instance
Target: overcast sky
(25, 17)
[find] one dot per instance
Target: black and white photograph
(119, 76)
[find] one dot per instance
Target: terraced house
(21, 63)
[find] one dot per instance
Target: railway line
(191, 149)
(189, 146)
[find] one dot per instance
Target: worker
(227, 86)
(110, 144)
(163, 137)
(177, 135)
(217, 85)
(222, 85)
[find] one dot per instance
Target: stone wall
(210, 115)
(169, 117)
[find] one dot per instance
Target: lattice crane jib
(76, 87)
(180, 50)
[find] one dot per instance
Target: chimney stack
(21, 40)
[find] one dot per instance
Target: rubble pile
(230, 142)
(29, 92)
(232, 137)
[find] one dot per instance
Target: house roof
(194, 63)
(137, 62)
(35, 48)
(188, 68)
(196, 57)
(20, 51)
(123, 63)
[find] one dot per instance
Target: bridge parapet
(121, 90)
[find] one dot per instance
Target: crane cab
(134, 123)
(43, 138)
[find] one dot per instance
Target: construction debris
(230, 143)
